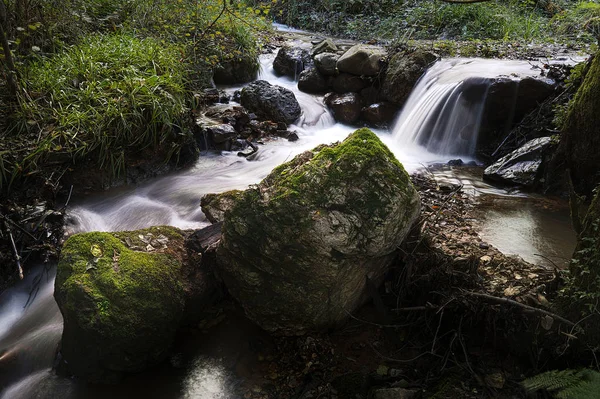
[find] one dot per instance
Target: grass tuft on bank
(108, 94)
(103, 80)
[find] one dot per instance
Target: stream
(209, 368)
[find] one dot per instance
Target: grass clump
(105, 97)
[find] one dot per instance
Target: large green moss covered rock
(299, 248)
(580, 142)
(122, 298)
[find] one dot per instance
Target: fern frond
(553, 380)
(567, 384)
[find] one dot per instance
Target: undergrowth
(103, 96)
(524, 20)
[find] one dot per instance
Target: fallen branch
(507, 301)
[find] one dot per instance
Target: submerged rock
(271, 102)
(361, 59)
(290, 61)
(403, 72)
(520, 166)
(299, 249)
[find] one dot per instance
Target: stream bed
(209, 366)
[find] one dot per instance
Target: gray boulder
(326, 46)
(299, 248)
(520, 166)
(290, 61)
(326, 63)
(346, 108)
(270, 102)
(221, 133)
(403, 72)
(361, 59)
(311, 81)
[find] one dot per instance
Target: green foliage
(580, 22)
(105, 96)
(428, 19)
(567, 384)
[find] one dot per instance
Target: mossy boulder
(580, 142)
(122, 298)
(299, 248)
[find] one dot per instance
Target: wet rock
(221, 133)
(456, 162)
(293, 136)
(122, 298)
(326, 46)
(297, 248)
(236, 116)
(271, 102)
(403, 72)
(311, 81)
(361, 60)
(346, 83)
(346, 108)
(123, 295)
(507, 102)
(379, 114)
(290, 61)
(520, 166)
(396, 393)
(240, 70)
(326, 63)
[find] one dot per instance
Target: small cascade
(444, 111)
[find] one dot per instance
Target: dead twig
(507, 301)
(16, 253)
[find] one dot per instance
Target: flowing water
(439, 121)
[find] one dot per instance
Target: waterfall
(444, 111)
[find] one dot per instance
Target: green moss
(581, 142)
(114, 290)
(334, 166)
